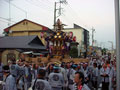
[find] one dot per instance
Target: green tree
(5, 33)
(73, 52)
(104, 51)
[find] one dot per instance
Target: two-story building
(82, 37)
(23, 36)
(28, 28)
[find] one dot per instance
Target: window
(10, 56)
(23, 23)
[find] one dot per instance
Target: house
(12, 46)
(27, 28)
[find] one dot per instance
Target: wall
(5, 53)
(26, 28)
(23, 28)
(79, 33)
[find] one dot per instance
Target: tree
(104, 51)
(73, 52)
(5, 33)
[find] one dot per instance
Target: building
(13, 46)
(27, 28)
(86, 42)
(82, 37)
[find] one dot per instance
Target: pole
(9, 14)
(26, 15)
(55, 9)
(112, 50)
(15, 7)
(54, 15)
(117, 29)
(93, 36)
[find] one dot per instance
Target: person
(34, 71)
(14, 69)
(10, 81)
(56, 79)
(79, 82)
(95, 76)
(20, 79)
(70, 76)
(62, 70)
(114, 77)
(105, 72)
(86, 71)
(1, 71)
(40, 83)
(28, 75)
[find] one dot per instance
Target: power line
(4, 21)
(40, 5)
(58, 9)
(17, 8)
(14, 22)
(75, 16)
(4, 18)
(49, 1)
(66, 18)
(20, 25)
(46, 3)
(7, 19)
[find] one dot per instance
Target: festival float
(58, 45)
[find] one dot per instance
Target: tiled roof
(21, 42)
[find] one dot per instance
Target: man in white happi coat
(40, 83)
(1, 71)
(95, 76)
(20, 79)
(14, 68)
(27, 75)
(70, 76)
(105, 73)
(64, 73)
(56, 79)
(10, 80)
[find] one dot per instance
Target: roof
(21, 42)
(75, 26)
(48, 31)
(43, 27)
(1, 36)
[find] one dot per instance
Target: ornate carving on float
(59, 41)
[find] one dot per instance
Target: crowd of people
(22, 75)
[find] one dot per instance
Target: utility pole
(9, 2)
(93, 30)
(9, 13)
(54, 15)
(111, 49)
(117, 29)
(59, 9)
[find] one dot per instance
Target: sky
(97, 14)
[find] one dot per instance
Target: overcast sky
(86, 13)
